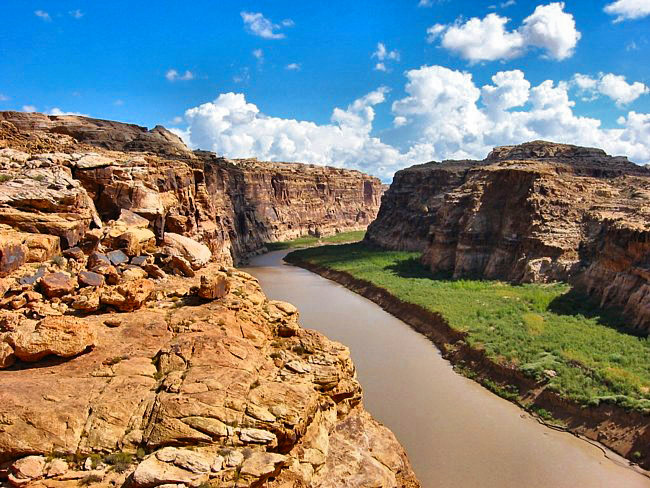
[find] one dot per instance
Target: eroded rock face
(123, 333)
(232, 206)
(216, 377)
(530, 213)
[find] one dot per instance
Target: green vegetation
(120, 461)
(550, 332)
(308, 241)
(5, 177)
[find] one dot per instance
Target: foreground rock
(216, 377)
(531, 213)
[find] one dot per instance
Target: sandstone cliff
(132, 354)
(233, 206)
(530, 213)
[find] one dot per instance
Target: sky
(373, 85)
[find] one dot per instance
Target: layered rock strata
(84, 171)
(132, 354)
(531, 213)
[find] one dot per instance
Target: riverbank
(310, 241)
(624, 430)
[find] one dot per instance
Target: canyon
(532, 213)
(233, 206)
(133, 353)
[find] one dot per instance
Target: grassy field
(539, 329)
(308, 241)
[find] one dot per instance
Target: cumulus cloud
(443, 115)
(628, 9)
(610, 85)
(58, 111)
(259, 55)
(293, 67)
(43, 15)
(29, 108)
(76, 14)
(384, 55)
(549, 28)
(174, 75)
(255, 23)
(232, 126)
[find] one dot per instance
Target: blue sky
(285, 61)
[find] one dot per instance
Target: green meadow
(550, 332)
(308, 241)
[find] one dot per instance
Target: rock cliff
(530, 213)
(233, 206)
(132, 354)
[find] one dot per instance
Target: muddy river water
(456, 433)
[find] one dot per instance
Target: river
(456, 433)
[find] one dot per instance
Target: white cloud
(508, 3)
(174, 75)
(42, 14)
(383, 55)
(258, 25)
(236, 128)
(444, 115)
(435, 31)
(118, 103)
(58, 111)
(29, 108)
(293, 67)
(610, 85)
(552, 29)
(548, 28)
(76, 14)
(628, 9)
(177, 120)
(258, 54)
(425, 3)
(3, 97)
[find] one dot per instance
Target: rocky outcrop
(131, 354)
(233, 206)
(207, 392)
(530, 213)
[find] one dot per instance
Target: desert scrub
(307, 241)
(120, 461)
(90, 479)
(550, 332)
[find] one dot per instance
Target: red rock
(89, 278)
(74, 253)
(214, 286)
(129, 296)
(58, 336)
(57, 284)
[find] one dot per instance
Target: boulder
(13, 253)
(262, 464)
(128, 296)
(41, 247)
(90, 278)
(196, 253)
(214, 286)
(117, 257)
(59, 336)
(132, 273)
(87, 300)
(7, 356)
(153, 472)
(136, 241)
(27, 469)
(97, 258)
(181, 266)
(74, 253)
(57, 284)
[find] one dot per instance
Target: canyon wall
(133, 354)
(234, 206)
(535, 212)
